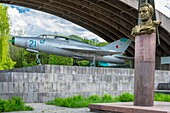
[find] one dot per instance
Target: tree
(5, 60)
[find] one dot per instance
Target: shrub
(125, 97)
(107, 98)
(13, 104)
(162, 97)
(78, 101)
(94, 99)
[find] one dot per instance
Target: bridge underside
(109, 19)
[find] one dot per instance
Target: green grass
(79, 102)
(162, 97)
(13, 104)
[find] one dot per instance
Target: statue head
(145, 12)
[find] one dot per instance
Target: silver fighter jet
(64, 46)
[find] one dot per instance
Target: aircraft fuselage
(55, 46)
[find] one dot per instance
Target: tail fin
(120, 45)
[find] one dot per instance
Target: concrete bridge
(109, 19)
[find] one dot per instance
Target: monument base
(144, 69)
(128, 107)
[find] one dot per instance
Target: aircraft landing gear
(75, 62)
(93, 62)
(38, 61)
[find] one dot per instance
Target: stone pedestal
(128, 107)
(144, 69)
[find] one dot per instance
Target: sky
(29, 22)
(163, 6)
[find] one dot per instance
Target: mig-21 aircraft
(60, 45)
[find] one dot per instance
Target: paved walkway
(43, 108)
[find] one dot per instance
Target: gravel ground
(43, 108)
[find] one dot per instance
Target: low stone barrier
(45, 82)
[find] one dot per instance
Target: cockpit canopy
(59, 37)
(52, 36)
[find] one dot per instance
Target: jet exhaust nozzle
(13, 40)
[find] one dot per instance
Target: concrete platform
(128, 107)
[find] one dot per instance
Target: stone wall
(45, 82)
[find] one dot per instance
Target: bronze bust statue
(147, 25)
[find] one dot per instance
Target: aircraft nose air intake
(13, 40)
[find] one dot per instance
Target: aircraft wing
(96, 51)
(124, 57)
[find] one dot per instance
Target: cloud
(33, 23)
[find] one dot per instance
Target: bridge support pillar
(144, 69)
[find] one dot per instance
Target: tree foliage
(5, 60)
(25, 58)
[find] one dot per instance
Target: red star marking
(117, 46)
